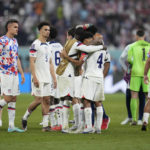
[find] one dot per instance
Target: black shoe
(46, 129)
(144, 127)
(24, 124)
(133, 123)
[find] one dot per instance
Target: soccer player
(9, 66)
(66, 80)
(93, 89)
(56, 107)
(137, 56)
(42, 70)
(147, 106)
(141, 95)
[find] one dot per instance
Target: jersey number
(57, 58)
(100, 60)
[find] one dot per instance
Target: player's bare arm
(75, 62)
(147, 66)
(53, 74)
(32, 66)
(106, 68)
(21, 71)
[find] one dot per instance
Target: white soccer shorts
(77, 86)
(93, 91)
(65, 86)
(10, 85)
(45, 89)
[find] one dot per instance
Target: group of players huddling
(77, 78)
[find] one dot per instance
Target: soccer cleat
(127, 120)
(0, 123)
(133, 123)
(46, 129)
(65, 131)
(71, 121)
(79, 130)
(88, 130)
(24, 124)
(74, 127)
(144, 126)
(98, 131)
(41, 123)
(139, 122)
(59, 128)
(105, 123)
(15, 130)
(56, 128)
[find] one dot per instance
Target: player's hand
(104, 47)
(55, 84)
(23, 79)
(36, 82)
(146, 80)
(63, 54)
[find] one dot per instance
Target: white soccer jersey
(56, 48)
(94, 64)
(42, 63)
(78, 46)
(123, 57)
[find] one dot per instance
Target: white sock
(45, 120)
(52, 116)
(145, 117)
(26, 115)
(66, 107)
(59, 114)
(81, 116)
(11, 114)
(2, 103)
(99, 117)
(88, 117)
(76, 113)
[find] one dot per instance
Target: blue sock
(128, 99)
(104, 113)
(141, 104)
(93, 112)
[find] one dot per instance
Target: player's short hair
(85, 35)
(78, 33)
(71, 31)
(10, 22)
(92, 29)
(140, 32)
(41, 24)
(53, 32)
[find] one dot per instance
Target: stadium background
(117, 20)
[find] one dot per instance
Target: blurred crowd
(116, 19)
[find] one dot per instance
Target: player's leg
(88, 116)
(1, 117)
(52, 114)
(99, 116)
(37, 101)
(106, 120)
(135, 85)
(147, 107)
(66, 107)
(45, 106)
(58, 111)
(141, 105)
(76, 112)
(128, 100)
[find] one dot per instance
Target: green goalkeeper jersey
(137, 56)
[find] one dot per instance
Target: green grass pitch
(117, 137)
